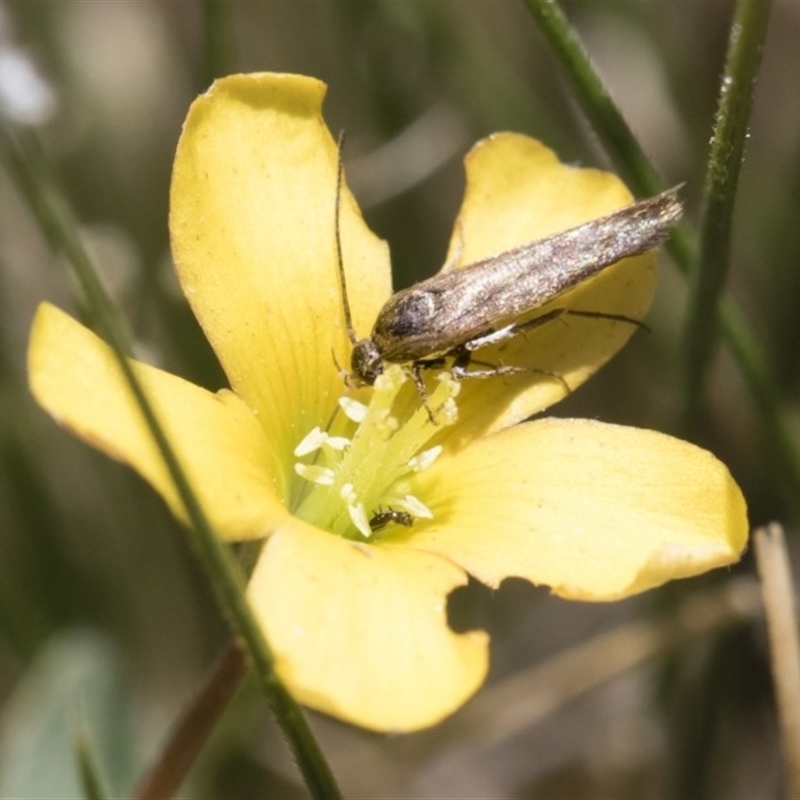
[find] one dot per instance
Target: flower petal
(252, 219)
(517, 192)
(361, 632)
(74, 376)
(596, 511)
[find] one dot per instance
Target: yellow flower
(357, 618)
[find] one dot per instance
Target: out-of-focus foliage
(85, 545)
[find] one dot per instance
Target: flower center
(360, 483)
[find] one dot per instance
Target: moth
(456, 312)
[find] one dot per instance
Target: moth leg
(416, 373)
(464, 360)
(415, 370)
(516, 328)
(557, 313)
(511, 331)
(637, 323)
(462, 355)
(419, 382)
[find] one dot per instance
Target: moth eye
(366, 361)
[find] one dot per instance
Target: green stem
(87, 770)
(629, 158)
(218, 56)
(707, 280)
(747, 354)
(606, 119)
(29, 167)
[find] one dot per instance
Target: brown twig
(193, 727)
(777, 589)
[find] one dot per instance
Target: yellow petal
(361, 632)
(596, 511)
(74, 376)
(252, 224)
(517, 192)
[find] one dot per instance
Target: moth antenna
(348, 319)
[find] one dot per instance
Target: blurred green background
(106, 623)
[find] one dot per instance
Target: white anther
(323, 476)
(359, 517)
(353, 410)
(414, 506)
(424, 459)
(338, 442)
(312, 441)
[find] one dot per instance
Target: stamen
(391, 379)
(454, 386)
(338, 442)
(413, 505)
(353, 410)
(359, 517)
(372, 466)
(447, 412)
(348, 493)
(312, 441)
(356, 510)
(322, 476)
(424, 459)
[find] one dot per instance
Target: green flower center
(360, 483)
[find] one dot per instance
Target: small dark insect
(457, 312)
(390, 517)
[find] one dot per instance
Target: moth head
(366, 364)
